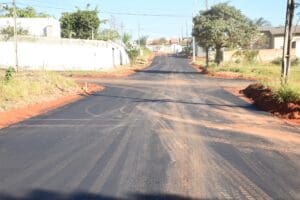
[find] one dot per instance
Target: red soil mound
(264, 99)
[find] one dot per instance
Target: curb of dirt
(264, 105)
(13, 116)
(290, 113)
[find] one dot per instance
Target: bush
(277, 61)
(188, 51)
(133, 54)
(212, 64)
(286, 94)
(9, 73)
(237, 61)
(295, 62)
(249, 56)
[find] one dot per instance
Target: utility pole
(194, 39)
(194, 49)
(181, 33)
(139, 37)
(206, 48)
(288, 36)
(186, 29)
(15, 35)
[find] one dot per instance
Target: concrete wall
(42, 27)
(63, 54)
(265, 55)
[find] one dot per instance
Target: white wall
(278, 41)
(43, 27)
(298, 47)
(62, 54)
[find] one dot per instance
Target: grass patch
(287, 94)
(32, 87)
(259, 71)
(269, 74)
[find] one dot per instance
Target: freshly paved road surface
(164, 133)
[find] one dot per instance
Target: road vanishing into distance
(167, 132)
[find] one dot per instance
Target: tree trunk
(219, 55)
(286, 60)
(207, 57)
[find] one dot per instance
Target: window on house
(294, 44)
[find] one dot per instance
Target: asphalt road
(167, 132)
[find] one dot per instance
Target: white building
(39, 27)
(275, 36)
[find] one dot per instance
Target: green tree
(133, 55)
(82, 24)
(223, 26)
(142, 40)
(126, 39)
(109, 34)
(28, 12)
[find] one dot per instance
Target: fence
(62, 54)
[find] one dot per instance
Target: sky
(172, 18)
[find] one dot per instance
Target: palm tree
(261, 22)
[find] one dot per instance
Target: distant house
(39, 27)
(275, 36)
(174, 41)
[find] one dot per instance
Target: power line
(116, 13)
(146, 14)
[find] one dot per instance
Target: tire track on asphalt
(57, 157)
(100, 180)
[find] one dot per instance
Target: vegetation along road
(167, 132)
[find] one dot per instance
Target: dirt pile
(264, 98)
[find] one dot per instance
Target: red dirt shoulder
(16, 115)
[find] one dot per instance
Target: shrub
(188, 51)
(251, 55)
(133, 54)
(212, 64)
(286, 94)
(9, 73)
(237, 61)
(277, 61)
(295, 62)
